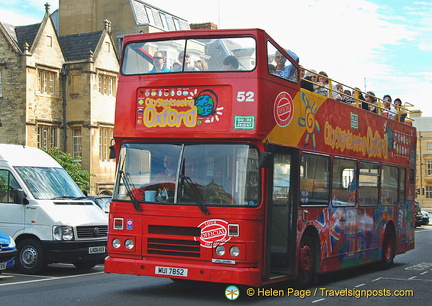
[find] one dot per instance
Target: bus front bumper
(188, 271)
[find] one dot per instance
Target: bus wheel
(388, 249)
(31, 258)
(306, 262)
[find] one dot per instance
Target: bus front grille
(173, 247)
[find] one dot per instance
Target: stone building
(59, 91)
(58, 78)
(424, 160)
(127, 16)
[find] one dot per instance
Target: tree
(72, 167)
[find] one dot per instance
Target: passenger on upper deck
(338, 94)
(159, 63)
(322, 85)
(271, 69)
(387, 100)
(396, 112)
(358, 97)
(201, 65)
(185, 60)
(347, 97)
(231, 63)
(372, 101)
(287, 72)
(306, 80)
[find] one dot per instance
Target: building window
(105, 136)
(76, 144)
(106, 84)
(428, 192)
(428, 167)
(164, 21)
(429, 145)
(177, 24)
(150, 15)
(47, 81)
(49, 41)
(47, 136)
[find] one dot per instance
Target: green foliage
(73, 168)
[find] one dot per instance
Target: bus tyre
(306, 262)
(388, 249)
(31, 258)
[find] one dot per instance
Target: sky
(383, 46)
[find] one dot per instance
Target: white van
(46, 213)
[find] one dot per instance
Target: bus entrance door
(281, 228)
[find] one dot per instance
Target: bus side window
(368, 183)
(314, 179)
(280, 65)
(343, 184)
(389, 184)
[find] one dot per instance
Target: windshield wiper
(80, 198)
(196, 194)
(128, 185)
(62, 198)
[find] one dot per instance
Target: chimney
(203, 26)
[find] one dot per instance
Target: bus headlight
(220, 250)
(116, 243)
(129, 244)
(234, 251)
(62, 232)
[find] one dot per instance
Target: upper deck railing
(322, 84)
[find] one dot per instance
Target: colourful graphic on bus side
(181, 107)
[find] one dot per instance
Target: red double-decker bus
(230, 172)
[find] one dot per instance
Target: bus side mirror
(266, 159)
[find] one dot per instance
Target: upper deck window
(190, 55)
(280, 65)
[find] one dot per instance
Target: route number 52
(245, 96)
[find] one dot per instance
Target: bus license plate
(97, 250)
(3, 266)
(171, 271)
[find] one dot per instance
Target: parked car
(102, 201)
(421, 216)
(7, 252)
(418, 214)
(425, 217)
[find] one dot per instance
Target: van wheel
(31, 258)
(306, 262)
(84, 265)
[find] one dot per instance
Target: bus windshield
(213, 174)
(190, 55)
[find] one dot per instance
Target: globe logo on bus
(206, 103)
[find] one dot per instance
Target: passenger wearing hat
(185, 61)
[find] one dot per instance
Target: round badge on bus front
(213, 232)
(283, 109)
